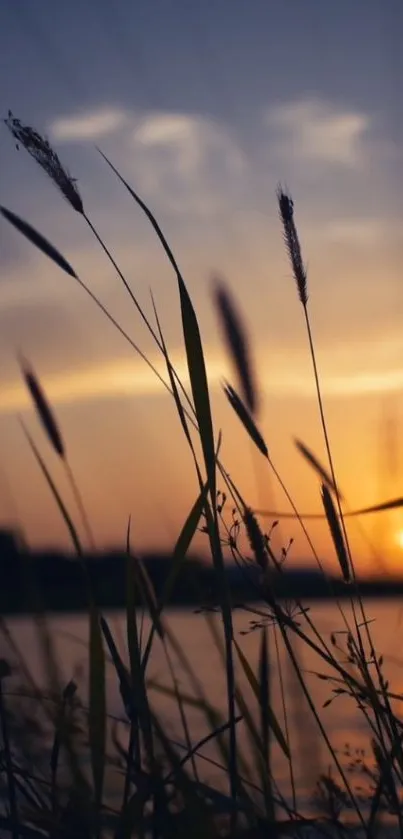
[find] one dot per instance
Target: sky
(205, 108)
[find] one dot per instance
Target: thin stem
(182, 712)
(318, 721)
(132, 296)
(124, 334)
(123, 279)
(324, 426)
(80, 504)
(344, 529)
(285, 716)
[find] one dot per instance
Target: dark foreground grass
(58, 749)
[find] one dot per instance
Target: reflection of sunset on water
(346, 727)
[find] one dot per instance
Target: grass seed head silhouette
(286, 208)
(39, 148)
(237, 342)
(43, 408)
(256, 539)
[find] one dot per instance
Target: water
(343, 722)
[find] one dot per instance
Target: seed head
(238, 344)
(256, 539)
(286, 207)
(38, 147)
(43, 408)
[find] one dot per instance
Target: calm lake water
(342, 720)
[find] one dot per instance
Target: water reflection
(346, 726)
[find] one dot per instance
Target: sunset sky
(205, 108)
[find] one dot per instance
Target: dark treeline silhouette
(55, 581)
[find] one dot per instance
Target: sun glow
(399, 539)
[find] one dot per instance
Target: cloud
(122, 377)
(191, 162)
(374, 371)
(187, 161)
(91, 125)
(359, 232)
(192, 138)
(166, 128)
(315, 130)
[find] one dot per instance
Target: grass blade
(198, 382)
(121, 670)
(264, 696)
(212, 735)
(393, 504)
(336, 533)
(97, 707)
(321, 471)
(133, 642)
(271, 717)
(67, 696)
(183, 543)
(171, 374)
(178, 557)
(264, 706)
(146, 211)
(38, 240)
(138, 686)
(193, 345)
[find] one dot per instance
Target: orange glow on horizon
(128, 377)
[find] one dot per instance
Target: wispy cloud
(366, 370)
(360, 232)
(189, 162)
(122, 377)
(316, 130)
(89, 125)
(192, 137)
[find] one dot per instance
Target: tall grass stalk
(286, 207)
(291, 239)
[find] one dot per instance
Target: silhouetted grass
(59, 787)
